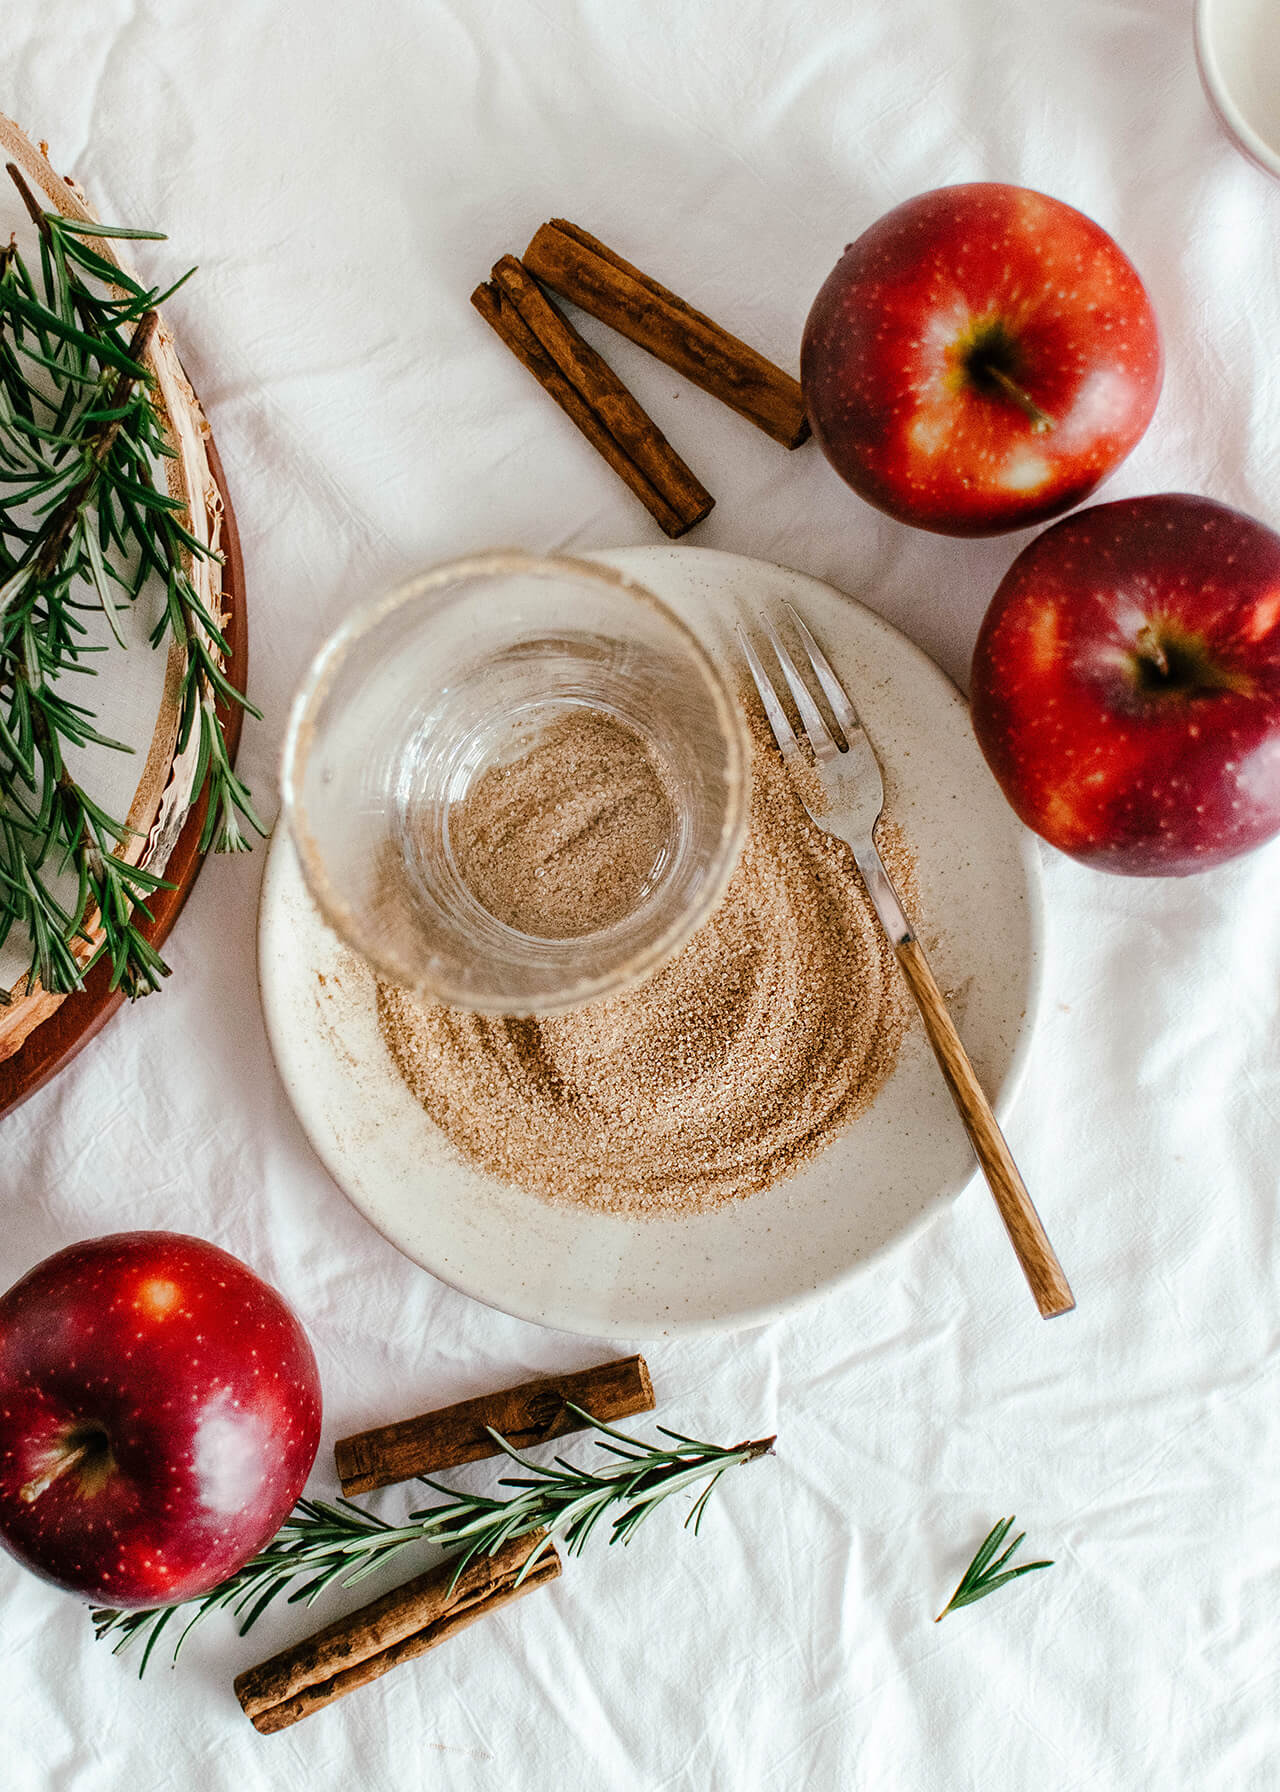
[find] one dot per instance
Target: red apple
(1126, 685)
(159, 1414)
(980, 359)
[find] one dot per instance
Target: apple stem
(1041, 421)
(62, 1462)
(1151, 650)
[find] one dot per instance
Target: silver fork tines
(841, 708)
(849, 776)
(776, 715)
(811, 718)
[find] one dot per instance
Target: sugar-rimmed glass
(418, 694)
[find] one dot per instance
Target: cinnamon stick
(525, 1415)
(581, 268)
(398, 1627)
(589, 392)
(630, 426)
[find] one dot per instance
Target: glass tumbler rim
(300, 732)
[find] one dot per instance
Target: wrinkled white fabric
(344, 175)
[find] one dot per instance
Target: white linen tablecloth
(344, 175)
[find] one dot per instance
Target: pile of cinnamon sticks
(574, 264)
(428, 1610)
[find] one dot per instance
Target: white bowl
(1238, 52)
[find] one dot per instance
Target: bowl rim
(1263, 154)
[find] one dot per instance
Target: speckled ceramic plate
(750, 1260)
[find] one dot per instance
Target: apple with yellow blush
(980, 359)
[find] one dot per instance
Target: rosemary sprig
(321, 1543)
(569, 1502)
(984, 1575)
(85, 523)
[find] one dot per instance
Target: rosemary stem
(97, 446)
(34, 208)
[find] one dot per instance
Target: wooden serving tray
(54, 1043)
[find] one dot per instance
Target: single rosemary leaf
(90, 227)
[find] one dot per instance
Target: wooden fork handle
(1030, 1242)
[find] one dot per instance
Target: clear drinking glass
(463, 669)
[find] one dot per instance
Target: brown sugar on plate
(741, 1058)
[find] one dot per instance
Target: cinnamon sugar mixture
(571, 837)
(740, 1059)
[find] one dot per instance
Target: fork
(851, 781)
